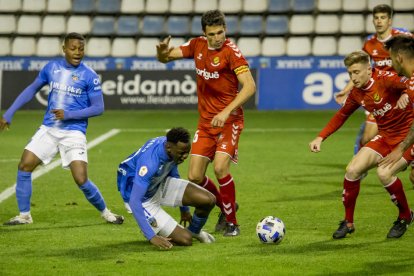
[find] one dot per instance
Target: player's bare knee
(185, 239)
(25, 167)
(80, 180)
(220, 171)
(210, 200)
(197, 179)
(384, 175)
(352, 172)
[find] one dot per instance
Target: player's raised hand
(315, 145)
(402, 102)
(164, 49)
(4, 125)
(161, 242)
(59, 114)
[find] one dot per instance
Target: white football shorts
(170, 193)
(47, 141)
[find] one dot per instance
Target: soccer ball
(270, 230)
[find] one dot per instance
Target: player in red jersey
(381, 93)
(374, 46)
(401, 50)
(220, 68)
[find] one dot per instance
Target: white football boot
(20, 219)
(111, 217)
(204, 237)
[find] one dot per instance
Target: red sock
(349, 197)
(228, 197)
(396, 190)
(211, 187)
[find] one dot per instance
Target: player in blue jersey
(149, 178)
(74, 95)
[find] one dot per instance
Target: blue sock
(93, 195)
(196, 224)
(24, 190)
(357, 145)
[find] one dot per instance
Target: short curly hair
(178, 134)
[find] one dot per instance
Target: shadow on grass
(396, 267)
(317, 247)
(338, 166)
(110, 251)
(22, 228)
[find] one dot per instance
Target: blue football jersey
(143, 172)
(150, 166)
(69, 89)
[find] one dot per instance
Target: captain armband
(241, 69)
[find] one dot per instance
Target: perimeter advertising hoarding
(295, 83)
(283, 83)
(167, 89)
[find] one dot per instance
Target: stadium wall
(283, 83)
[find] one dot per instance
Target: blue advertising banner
(283, 83)
(293, 83)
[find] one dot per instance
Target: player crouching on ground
(380, 93)
(149, 178)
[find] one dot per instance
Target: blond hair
(356, 57)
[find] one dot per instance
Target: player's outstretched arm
(165, 53)
(315, 145)
(24, 97)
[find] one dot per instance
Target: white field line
(45, 169)
(9, 160)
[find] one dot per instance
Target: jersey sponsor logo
(62, 87)
(56, 71)
(384, 62)
(381, 112)
(143, 171)
(207, 75)
(96, 81)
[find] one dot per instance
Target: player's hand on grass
(161, 242)
(164, 49)
(315, 145)
(4, 125)
(59, 114)
(341, 96)
(392, 158)
(185, 218)
(402, 102)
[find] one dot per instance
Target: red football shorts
(208, 140)
(384, 147)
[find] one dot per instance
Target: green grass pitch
(276, 175)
